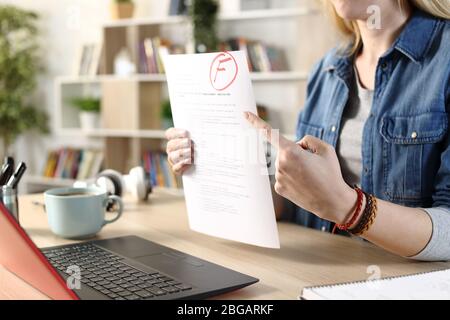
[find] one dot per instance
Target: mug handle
(119, 211)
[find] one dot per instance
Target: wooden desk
(307, 257)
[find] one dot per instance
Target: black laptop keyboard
(107, 273)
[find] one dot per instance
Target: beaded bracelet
(368, 216)
(373, 216)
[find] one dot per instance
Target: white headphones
(137, 182)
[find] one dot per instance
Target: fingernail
(246, 115)
(186, 143)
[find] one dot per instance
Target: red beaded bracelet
(356, 213)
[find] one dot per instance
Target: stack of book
(68, 163)
(261, 57)
(151, 53)
(157, 165)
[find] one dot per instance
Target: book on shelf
(70, 163)
(157, 166)
(88, 60)
(261, 57)
(151, 54)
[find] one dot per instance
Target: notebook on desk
(433, 285)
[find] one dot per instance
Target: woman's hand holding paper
(180, 150)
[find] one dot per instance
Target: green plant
(166, 110)
(123, 1)
(204, 18)
(87, 104)
(19, 66)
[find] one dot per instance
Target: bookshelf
(256, 76)
(37, 183)
(131, 105)
(281, 13)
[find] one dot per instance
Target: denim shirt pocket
(307, 129)
(410, 155)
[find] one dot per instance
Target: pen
(10, 161)
(15, 178)
(6, 173)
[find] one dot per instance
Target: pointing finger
(273, 137)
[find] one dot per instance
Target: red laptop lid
(20, 255)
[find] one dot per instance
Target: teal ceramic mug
(79, 213)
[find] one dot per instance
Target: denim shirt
(406, 142)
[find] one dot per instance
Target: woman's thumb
(313, 144)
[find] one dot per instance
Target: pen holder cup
(8, 196)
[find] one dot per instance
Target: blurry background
(101, 82)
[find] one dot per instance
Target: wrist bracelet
(357, 230)
(356, 213)
(368, 216)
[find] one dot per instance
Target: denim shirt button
(384, 66)
(333, 129)
(414, 135)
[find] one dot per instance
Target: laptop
(125, 268)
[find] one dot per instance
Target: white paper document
(227, 190)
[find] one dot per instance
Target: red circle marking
(221, 55)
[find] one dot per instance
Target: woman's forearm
(308, 174)
(400, 230)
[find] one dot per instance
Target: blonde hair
(350, 29)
